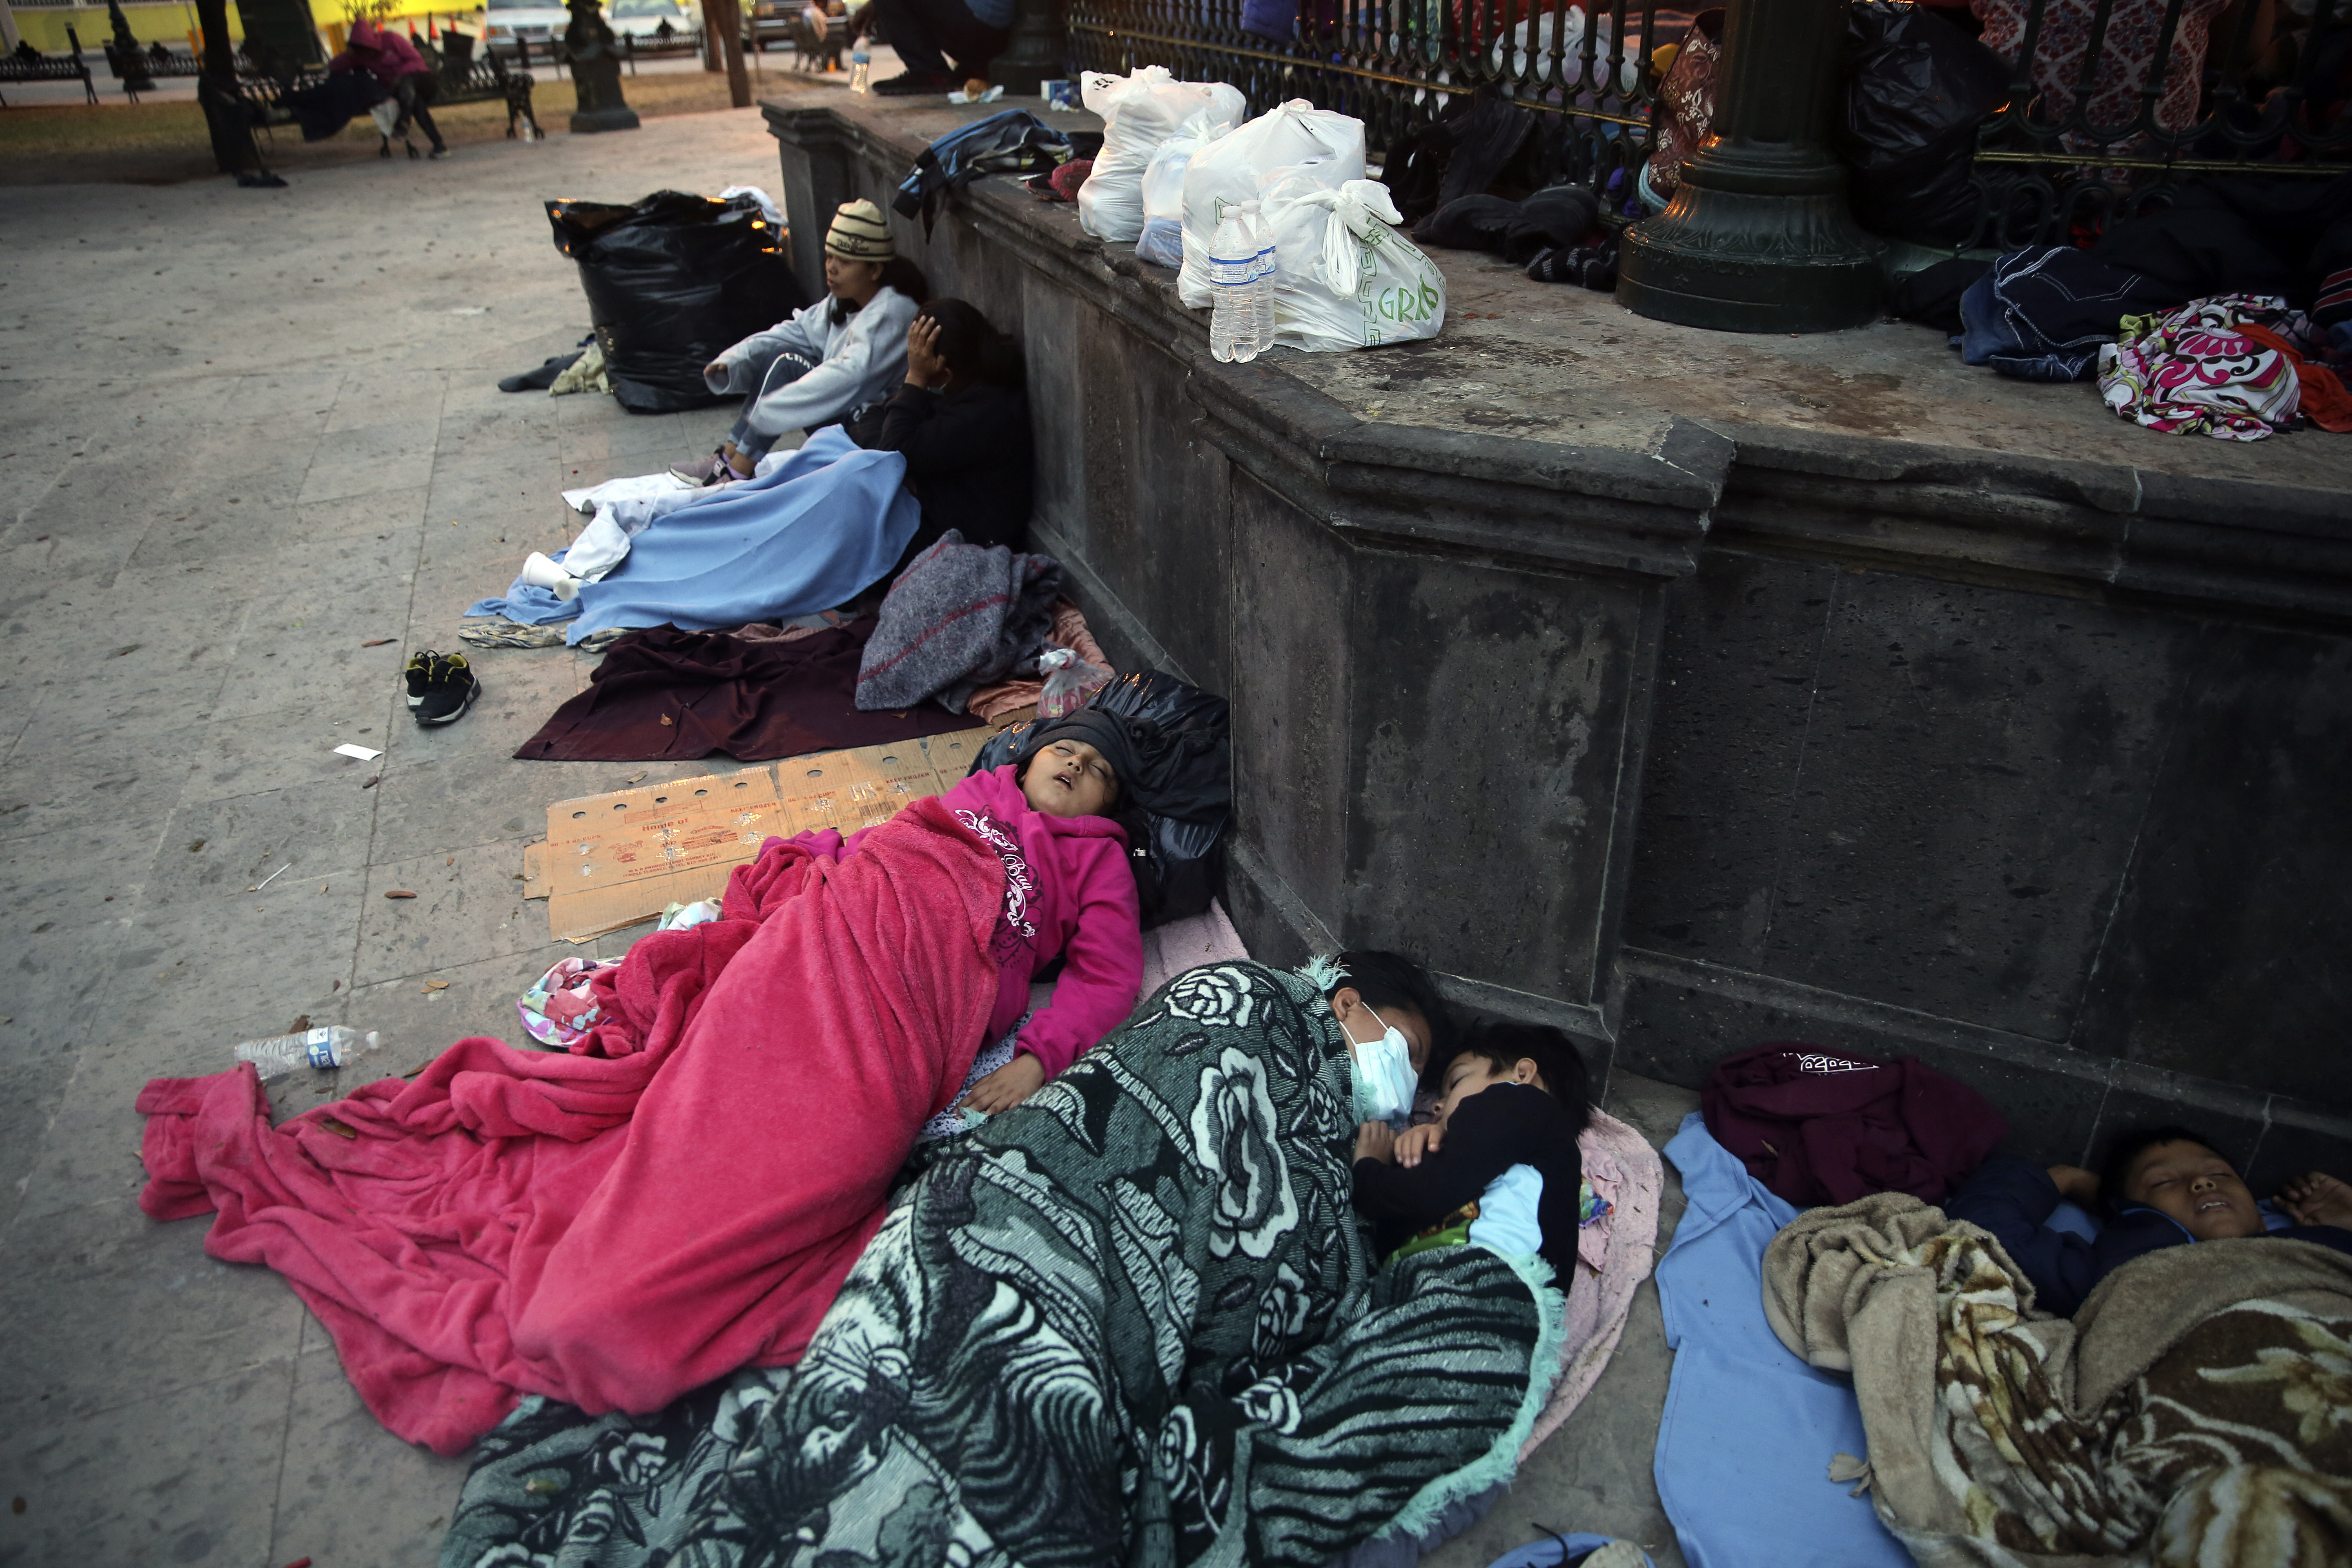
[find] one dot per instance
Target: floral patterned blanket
(1131, 1321)
(2196, 1413)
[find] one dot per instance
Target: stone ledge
(1549, 424)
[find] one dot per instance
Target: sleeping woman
(683, 1196)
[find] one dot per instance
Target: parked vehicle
(508, 25)
(644, 18)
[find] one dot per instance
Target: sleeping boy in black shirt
(1499, 1167)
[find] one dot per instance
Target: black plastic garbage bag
(1184, 857)
(1015, 142)
(1918, 89)
(672, 281)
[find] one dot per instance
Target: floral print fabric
(2198, 370)
(1133, 1320)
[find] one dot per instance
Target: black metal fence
(2239, 88)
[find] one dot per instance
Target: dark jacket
(2014, 1201)
(969, 460)
(1510, 1124)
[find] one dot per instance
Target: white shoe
(540, 572)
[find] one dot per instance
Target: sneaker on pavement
(914, 84)
(421, 676)
(450, 693)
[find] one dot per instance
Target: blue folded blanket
(1745, 1445)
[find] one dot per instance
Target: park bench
(461, 78)
(46, 67)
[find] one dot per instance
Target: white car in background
(510, 26)
(644, 18)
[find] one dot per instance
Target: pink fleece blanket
(615, 1227)
(1624, 1170)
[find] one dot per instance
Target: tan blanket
(2197, 1411)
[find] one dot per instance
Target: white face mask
(1382, 1075)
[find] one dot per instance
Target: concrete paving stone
(61, 881)
(87, 1151)
(294, 747)
(634, 444)
(417, 1023)
(306, 651)
(467, 798)
(116, 781)
(32, 1085)
(77, 1355)
(146, 696)
(286, 394)
(61, 974)
(305, 833)
(466, 904)
(201, 975)
(362, 461)
(182, 1477)
(373, 397)
(348, 1494)
(492, 481)
(218, 497)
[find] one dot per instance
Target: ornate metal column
(595, 72)
(1758, 238)
(1037, 52)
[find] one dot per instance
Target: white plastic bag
(1139, 112)
(1294, 139)
(1162, 239)
(1348, 280)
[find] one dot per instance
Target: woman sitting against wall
(960, 419)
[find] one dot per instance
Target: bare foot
(2318, 1198)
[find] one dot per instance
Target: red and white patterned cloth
(2232, 366)
(2134, 27)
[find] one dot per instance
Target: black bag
(1179, 862)
(1917, 91)
(672, 281)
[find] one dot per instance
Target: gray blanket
(960, 617)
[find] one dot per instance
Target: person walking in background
(925, 32)
(394, 61)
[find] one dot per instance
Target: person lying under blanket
(682, 1193)
(825, 362)
(2161, 1186)
(1499, 1167)
(1133, 1321)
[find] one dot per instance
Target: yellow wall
(44, 28)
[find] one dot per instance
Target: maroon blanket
(1822, 1127)
(614, 1228)
(664, 695)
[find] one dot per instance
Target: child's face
(1068, 778)
(2197, 1188)
(1469, 1074)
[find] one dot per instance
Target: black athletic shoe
(450, 692)
(916, 84)
(420, 674)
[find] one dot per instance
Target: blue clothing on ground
(830, 521)
(1552, 1552)
(2018, 1203)
(1744, 1448)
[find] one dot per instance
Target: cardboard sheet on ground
(611, 860)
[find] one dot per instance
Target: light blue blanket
(1745, 1445)
(828, 521)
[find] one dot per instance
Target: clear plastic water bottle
(861, 70)
(1233, 275)
(1268, 263)
(332, 1046)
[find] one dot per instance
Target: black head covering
(1174, 773)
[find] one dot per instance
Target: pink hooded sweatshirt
(1077, 901)
(387, 57)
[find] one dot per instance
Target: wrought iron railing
(1394, 63)
(2088, 131)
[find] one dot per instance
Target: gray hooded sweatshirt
(863, 360)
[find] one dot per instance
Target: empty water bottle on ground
(1232, 277)
(861, 70)
(1268, 263)
(332, 1046)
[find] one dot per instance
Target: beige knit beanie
(858, 233)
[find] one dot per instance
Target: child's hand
(1415, 1141)
(1008, 1085)
(2318, 1198)
(1375, 1142)
(2075, 1185)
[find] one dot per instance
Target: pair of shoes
(441, 687)
(914, 84)
(412, 149)
(440, 150)
(709, 470)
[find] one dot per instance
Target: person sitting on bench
(394, 61)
